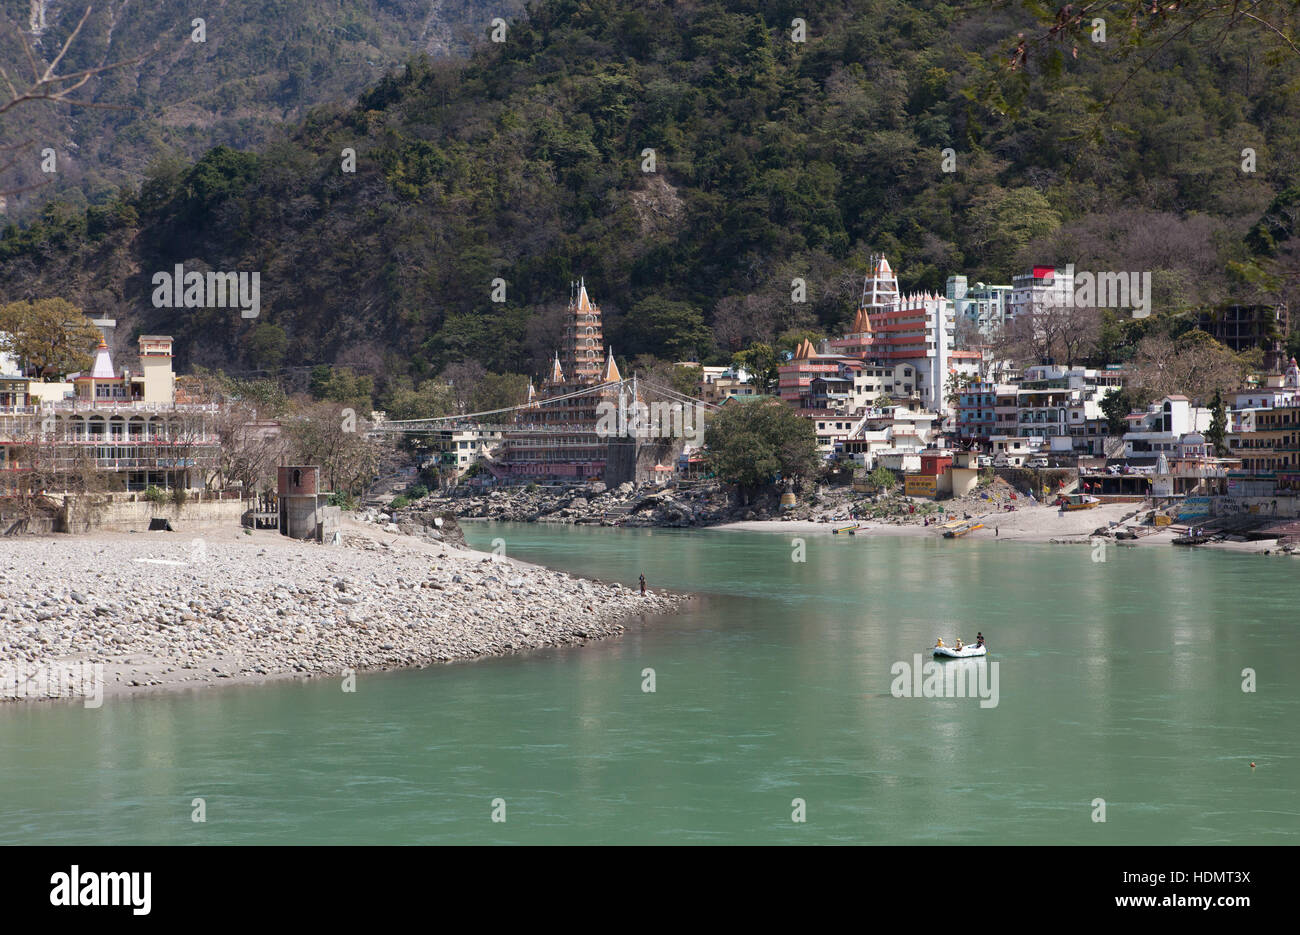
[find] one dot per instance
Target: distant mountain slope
(262, 63)
(773, 160)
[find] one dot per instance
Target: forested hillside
(772, 159)
(179, 89)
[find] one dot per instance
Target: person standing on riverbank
(643, 585)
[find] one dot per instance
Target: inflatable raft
(966, 652)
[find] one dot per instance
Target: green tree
(266, 345)
(51, 336)
(1115, 405)
(761, 362)
(751, 444)
(267, 395)
(667, 328)
(499, 391)
(956, 385)
(1218, 425)
(341, 385)
(882, 478)
(430, 400)
(1003, 223)
(653, 372)
(791, 339)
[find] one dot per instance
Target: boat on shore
(966, 652)
(1078, 501)
(959, 528)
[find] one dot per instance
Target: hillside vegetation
(260, 64)
(773, 159)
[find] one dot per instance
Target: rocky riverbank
(704, 503)
(159, 610)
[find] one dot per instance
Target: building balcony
(123, 405)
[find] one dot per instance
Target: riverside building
(119, 429)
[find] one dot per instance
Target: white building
(982, 305)
(1053, 400)
(1162, 428)
(1041, 288)
(890, 430)
(1014, 450)
(461, 446)
(1278, 390)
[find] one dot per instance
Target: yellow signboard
(919, 485)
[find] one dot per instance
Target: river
(1119, 695)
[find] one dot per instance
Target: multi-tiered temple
(556, 437)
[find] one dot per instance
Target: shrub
(531, 488)
(418, 492)
(398, 503)
(180, 495)
(154, 495)
(882, 478)
(343, 499)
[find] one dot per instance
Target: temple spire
(103, 367)
(611, 374)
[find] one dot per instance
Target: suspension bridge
(537, 416)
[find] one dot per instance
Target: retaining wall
(121, 516)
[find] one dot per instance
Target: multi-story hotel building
(127, 427)
(916, 329)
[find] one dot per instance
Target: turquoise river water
(1119, 680)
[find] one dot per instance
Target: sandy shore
(216, 606)
(1024, 524)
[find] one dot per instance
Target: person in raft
(959, 644)
(979, 639)
(938, 642)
